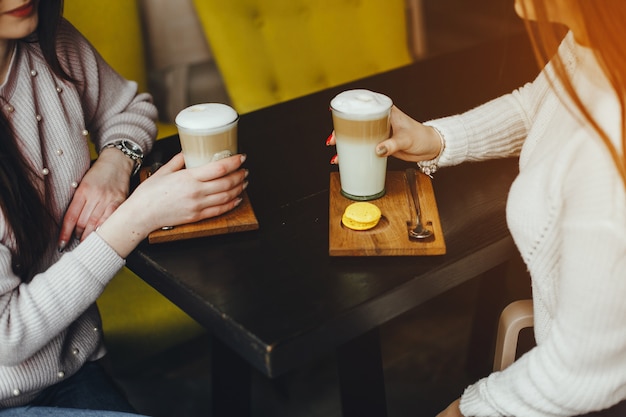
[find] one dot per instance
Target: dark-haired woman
(55, 92)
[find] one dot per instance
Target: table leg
(361, 377)
(231, 379)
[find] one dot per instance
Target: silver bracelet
(431, 166)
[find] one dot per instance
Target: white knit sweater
(50, 326)
(567, 214)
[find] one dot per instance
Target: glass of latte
(207, 132)
(361, 121)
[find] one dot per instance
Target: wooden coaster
(390, 236)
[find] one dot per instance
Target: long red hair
(603, 23)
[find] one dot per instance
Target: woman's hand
(453, 410)
(103, 188)
(410, 140)
(174, 196)
(188, 195)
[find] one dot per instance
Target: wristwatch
(129, 149)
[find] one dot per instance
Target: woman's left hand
(103, 188)
(453, 410)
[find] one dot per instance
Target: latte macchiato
(361, 121)
(207, 132)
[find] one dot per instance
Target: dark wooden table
(273, 299)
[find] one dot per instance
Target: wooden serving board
(390, 236)
(240, 219)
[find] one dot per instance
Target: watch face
(132, 147)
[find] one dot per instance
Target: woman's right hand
(410, 140)
(174, 196)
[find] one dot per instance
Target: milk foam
(361, 104)
(206, 118)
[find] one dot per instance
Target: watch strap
(134, 156)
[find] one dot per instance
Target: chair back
(515, 317)
(270, 51)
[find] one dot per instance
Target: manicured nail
(333, 160)
(245, 185)
(62, 245)
(246, 173)
(243, 157)
(239, 200)
(330, 137)
(381, 150)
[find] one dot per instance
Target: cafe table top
(274, 295)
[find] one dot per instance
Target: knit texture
(567, 214)
(50, 326)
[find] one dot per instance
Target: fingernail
(246, 173)
(245, 185)
(333, 160)
(330, 137)
(381, 150)
(239, 200)
(243, 157)
(62, 245)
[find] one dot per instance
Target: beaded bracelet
(430, 167)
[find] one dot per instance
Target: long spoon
(419, 231)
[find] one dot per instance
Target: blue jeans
(88, 393)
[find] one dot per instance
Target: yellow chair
(137, 320)
(270, 51)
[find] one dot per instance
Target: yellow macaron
(361, 216)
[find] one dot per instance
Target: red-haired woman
(566, 210)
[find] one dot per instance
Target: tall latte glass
(207, 132)
(361, 121)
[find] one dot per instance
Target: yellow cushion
(139, 322)
(120, 44)
(114, 29)
(270, 51)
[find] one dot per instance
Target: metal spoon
(419, 232)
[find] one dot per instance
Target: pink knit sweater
(50, 326)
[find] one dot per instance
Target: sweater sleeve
(113, 107)
(33, 313)
(496, 129)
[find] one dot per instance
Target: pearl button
(75, 351)
(96, 329)
(9, 108)
(45, 171)
(33, 73)
(38, 117)
(59, 89)
(85, 132)
(16, 392)
(59, 152)
(61, 374)
(74, 184)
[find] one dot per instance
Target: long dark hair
(23, 205)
